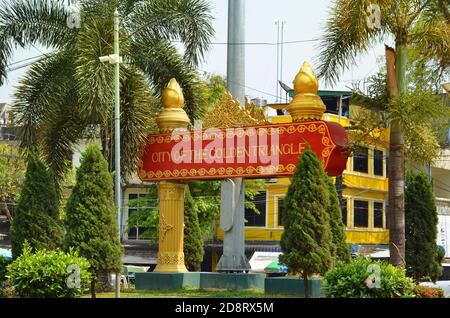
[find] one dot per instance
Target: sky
(305, 20)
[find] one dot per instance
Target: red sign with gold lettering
(247, 152)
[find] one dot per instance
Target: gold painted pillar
(171, 194)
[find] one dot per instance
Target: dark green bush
(3, 263)
(358, 279)
(36, 216)
(90, 218)
(422, 255)
(48, 274)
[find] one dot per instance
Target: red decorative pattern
(328, 140)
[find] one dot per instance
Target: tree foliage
(206, 195)
(356, 25)
(421, 25)
(422, 256)
(193, 241)
(90, 218)
(340, 251)
(12, 175)
(307, 239)
(146, 215)
(68, 93)
(217, 86)
(422, 114)
(36, 217)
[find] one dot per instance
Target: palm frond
(94, 78)
(138, 113)
(418, 113)
(188, 21)
(375, 96)
(38, 93)
(100, 9)
(162, 62)
(24, 22)
(60, 131)
(347, 34)
(432, 39)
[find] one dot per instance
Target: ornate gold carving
(306, 104)
(170, 262)
(228, 113)
(172, 116)
(244, 171)
(171, 191)
(170, 258)
(164, 227)
(255, 112)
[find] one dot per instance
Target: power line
(243, 85)
(25, 60)
(235, 43)
(262, 43)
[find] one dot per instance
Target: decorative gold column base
(169, 262)
(171, 227)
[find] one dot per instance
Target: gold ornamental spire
(306, 104)
(172, 116)
(172, 95)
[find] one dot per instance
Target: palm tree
(350, 31)
(68, 94)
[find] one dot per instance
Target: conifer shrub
(90, 218)
(306, 241)
(423, 258)
(341, 250)
(36, 217)
(193, 241)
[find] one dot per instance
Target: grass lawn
(191, 293)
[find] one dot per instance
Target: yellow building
(364, 192)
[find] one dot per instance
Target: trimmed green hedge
(364, 278)
(49, 274)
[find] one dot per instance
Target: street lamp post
(116, 59)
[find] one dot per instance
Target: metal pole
(277, 23)
(236, 50)
(117, 132)
(281, 57)
(232, 214)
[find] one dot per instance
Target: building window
(361, 160)
(360, 213)
(378, 214)
(378, 162)
(280, 210)
(254, 219)
(344, 211)
(135, 233)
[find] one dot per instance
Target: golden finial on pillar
(172, 116)
(306, 104)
